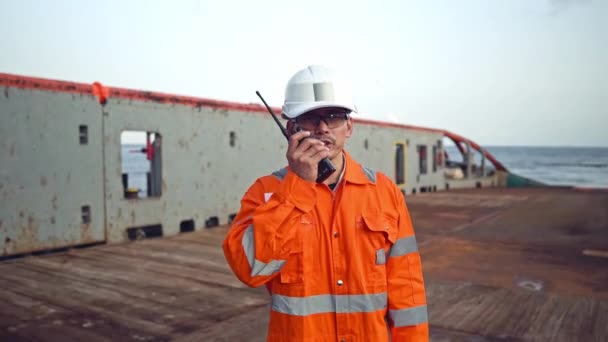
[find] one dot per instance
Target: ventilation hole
(213, 221)
(186, 226)
(85, 212)
(83, 133)
(144, 232)
(232, 138)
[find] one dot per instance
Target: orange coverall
(340, 266)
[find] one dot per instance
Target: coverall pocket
(379, 229)
(293, 272)
(375, 234)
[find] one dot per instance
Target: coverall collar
(353, 171)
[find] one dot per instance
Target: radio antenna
(283, 130)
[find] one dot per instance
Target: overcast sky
(502, 72)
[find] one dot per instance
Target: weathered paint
(203, 176)
(46, 175)
(51, 175)
(24, 82)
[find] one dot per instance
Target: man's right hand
(303, 155)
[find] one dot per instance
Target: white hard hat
(316, 87)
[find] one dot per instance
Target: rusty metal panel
(203, 175)
(61, 152)
(380, 152)
(46, 175)
(210, 156)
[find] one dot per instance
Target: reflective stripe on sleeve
(280, 174)
(410, 316)
(304, 306)
(403, 246)
(258, 268)
(371, 174)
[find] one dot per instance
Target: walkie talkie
(325, 167)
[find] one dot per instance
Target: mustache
(325, 137)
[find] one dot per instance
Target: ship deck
(499, 265)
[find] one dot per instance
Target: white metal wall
(203, 176)
(380, 153)
(46, 175)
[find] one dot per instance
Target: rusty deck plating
(500, 264)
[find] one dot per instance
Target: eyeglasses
(311, 121)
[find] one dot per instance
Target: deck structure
(499, 265)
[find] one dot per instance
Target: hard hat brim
(293, 111)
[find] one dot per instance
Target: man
(339, 258)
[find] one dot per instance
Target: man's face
(330, 125)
